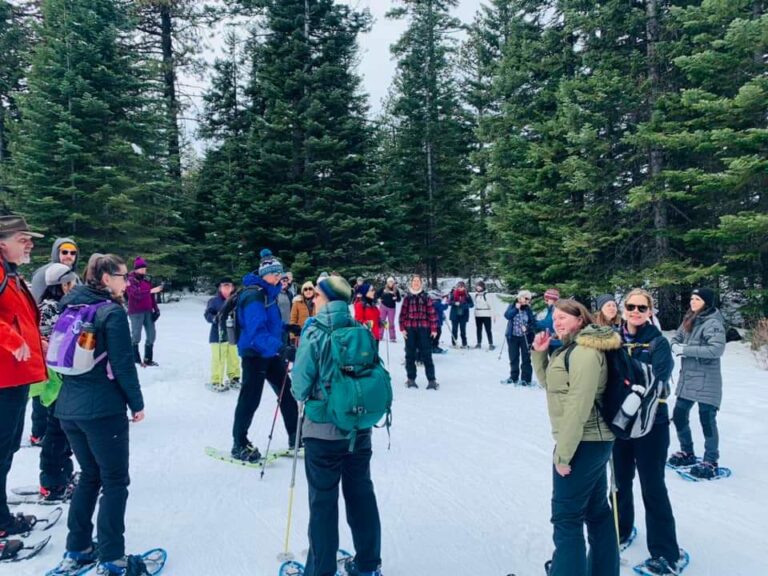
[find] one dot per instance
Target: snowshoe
(19, 524)
(627, 542)
(478, 346)
(682, 460)
(509, 382)
(213, 387)
(246, 452)
(704, 470)
(433, 385)
(491, 347)
(660, 567)
(18, 550)
(235, 383)
(352, 570)
(148, 564)
(75, 564)
(411, 384)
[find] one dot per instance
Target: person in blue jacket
(260, 344)
(544, 318)
(440, 307)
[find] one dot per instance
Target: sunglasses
(68, 252)
(642, 308)
(309, 289)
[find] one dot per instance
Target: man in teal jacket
(327, 454)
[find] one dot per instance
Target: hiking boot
(149, 356)
(75, 561)
(56, 493)
(18, 524)
(246, 452)
(36, 441)
(478, 346)
(352, 570)
(136, 355)
(523, 383)
(433, 385)
(218, 387)
(491, 347)
(704, 470)
(509, 381)
(235, 384)
(660, 566)
(411, 383)
(126, 566)
(9, 548)
(680, 459)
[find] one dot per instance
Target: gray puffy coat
(701, 379)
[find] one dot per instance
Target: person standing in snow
(607, 312)
(222, 339)
(56, 465)
(389, 296)
(521, 327)
(260, 344)
(142, 311)
(544, 318)
(700, 342)
(303, 309)
(92, 409)
(66, 252)
(22, 358)
(366, 311)
(418, 325)
(328, 457)
(440, 303)
(648, 454)
(583, 442)
(483, 315)
(460, 302)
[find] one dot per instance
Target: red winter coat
(369, 315)
(19, 323)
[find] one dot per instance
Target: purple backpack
(72, 343)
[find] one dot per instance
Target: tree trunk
(169, 90)
(428, 144)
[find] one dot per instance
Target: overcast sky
(376, 65)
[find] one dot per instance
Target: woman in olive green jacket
(583, 442)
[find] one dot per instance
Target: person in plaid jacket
(418, 325)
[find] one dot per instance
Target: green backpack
(360, 392)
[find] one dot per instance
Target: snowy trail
(463, 491)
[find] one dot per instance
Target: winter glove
(294, 329)
(678, 349)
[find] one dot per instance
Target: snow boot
(126, 566)
(148, 353)
(491, 347)
(433, 385)
(680, 459)
(136, 355)
(352, 570)
(74, 562)
(57, 493)
(704, 470)
(411, 383)
(509, 381)
(523, 383)
(9, 548)
(18, 524)
(478, 346)
(246, 452)
(234, 383)
(548, 567)
(36, 441)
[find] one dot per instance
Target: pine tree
(85, 155)
(428, 154)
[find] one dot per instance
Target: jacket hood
(57, 245)
(601, 338)
(334, 314)
(84, 294)
(711, 313)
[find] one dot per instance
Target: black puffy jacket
(94, 394)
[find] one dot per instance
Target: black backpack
(241, 297)
(630, 401)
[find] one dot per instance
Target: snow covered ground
(464, 489)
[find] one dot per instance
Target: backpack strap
(568, 350)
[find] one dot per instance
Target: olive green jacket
(572, 394)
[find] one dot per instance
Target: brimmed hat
(706, 294)
(269, 263)
(335, 288)
(13, 223)
(57, 273)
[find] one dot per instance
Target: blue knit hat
(269, 264)
(335, 288)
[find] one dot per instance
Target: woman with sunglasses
(700, 342)
(648, 454)
(583, 441)
(92, 409)
(302, 309)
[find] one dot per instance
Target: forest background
(592, 146)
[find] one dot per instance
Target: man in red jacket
(21, 354)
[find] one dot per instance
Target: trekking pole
(285, 555)
(386, 330)
(615, 502)
(274, 419)
(503, 343)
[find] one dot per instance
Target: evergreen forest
(592, 146)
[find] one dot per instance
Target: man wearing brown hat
(21, 354)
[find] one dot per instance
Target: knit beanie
(58, 273)
(552, 294)
(602, 300)
(364, 287)
(139, 262)
(335, 288)
(269, 264)
(706, 294)
(224, 280)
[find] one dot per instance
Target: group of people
(253, 330)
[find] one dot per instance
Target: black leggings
(480, 323)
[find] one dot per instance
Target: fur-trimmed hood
(601, 338)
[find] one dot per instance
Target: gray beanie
(57, 274)
(602, 300)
